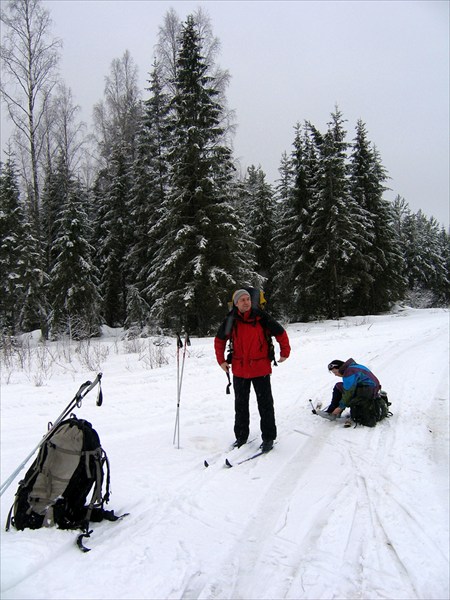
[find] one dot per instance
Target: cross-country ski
(329, 512)
(240, 461)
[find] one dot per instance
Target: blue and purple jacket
(357, 378)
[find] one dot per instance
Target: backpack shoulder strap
(270, 323)
(229, 322)
(97, 500)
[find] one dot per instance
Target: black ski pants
(336, 398)
(361, 392)
(263, 391)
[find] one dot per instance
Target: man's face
(244, 303)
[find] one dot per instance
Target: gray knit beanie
(238, 294)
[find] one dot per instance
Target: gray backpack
(70, 463)
(56, 487)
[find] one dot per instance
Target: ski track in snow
(330, 513)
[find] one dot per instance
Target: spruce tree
(379, 261)
(22, 280)
(337, 237)
(11, 248)
(292, 264)
(137, 311)
(149, 183)
(426, 262)
(258, 214)
(443, 281)
(283, 184)
(53, 197)
(114, 225)
(73, 278)
(201, 256)
(117, 120)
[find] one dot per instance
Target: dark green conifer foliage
(442, 288)
(35, 308)
(137, 311)
(11, 249)
(114, 226)
(378, 264)
(283, 184)
(149, 185)
(258, 213)
(337, 234)
(73, 278)
(293, 225)
(175, 233)
(23, 305)
(201, 255)
(425, 258)
(53, 198)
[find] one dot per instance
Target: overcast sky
(386, 62)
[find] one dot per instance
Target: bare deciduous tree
(68, 131)
(116, 118)
(167, 50)
(167, 53)
(29, 58)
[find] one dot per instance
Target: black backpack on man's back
(259, 302)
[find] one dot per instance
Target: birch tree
(29, 57)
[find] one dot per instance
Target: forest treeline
(145, 222)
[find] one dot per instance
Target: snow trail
(329, 513)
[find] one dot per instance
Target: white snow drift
(329, 513)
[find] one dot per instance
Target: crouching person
(360, 390)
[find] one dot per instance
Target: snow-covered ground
(329, 513)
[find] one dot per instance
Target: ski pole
(187, 342)
(76, 401)
(313, 409)
(177, 425)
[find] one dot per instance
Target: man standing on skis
(249, 331)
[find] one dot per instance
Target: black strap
(80, 542)
(229, 383)
(229, 322)
(10, 520)
(99, 395)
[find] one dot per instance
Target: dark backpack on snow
(369, 411)
(55, 488)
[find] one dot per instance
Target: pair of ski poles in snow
(180, 345)
(76, 402)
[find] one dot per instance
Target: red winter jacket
(250, 347)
